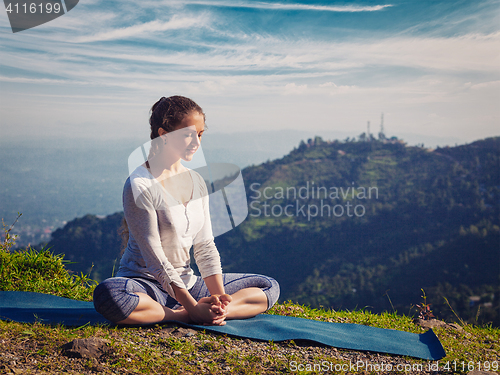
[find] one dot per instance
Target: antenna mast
(381, 135)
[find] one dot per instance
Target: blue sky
(432, 67)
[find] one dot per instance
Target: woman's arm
(205, 252)
(214, 284)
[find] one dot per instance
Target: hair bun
(169, 115)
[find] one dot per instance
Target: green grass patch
(40, 271)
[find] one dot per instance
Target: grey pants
(115, 298)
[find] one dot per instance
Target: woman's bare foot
(149, 311)
(246, 303)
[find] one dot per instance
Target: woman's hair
(124, 233)
(168, 113)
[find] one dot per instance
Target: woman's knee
(272, 292)
(270, 287)
(114, 300)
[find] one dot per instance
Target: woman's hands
(208, 310)
(221, 303)
(215, 306)
(211, 310)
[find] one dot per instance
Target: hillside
(356, 225)
(431, 222)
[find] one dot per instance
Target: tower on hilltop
(381, 135)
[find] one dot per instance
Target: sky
(431, 67)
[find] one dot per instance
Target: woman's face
(185, 140)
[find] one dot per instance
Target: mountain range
(373, 224)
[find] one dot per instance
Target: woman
(166, 210)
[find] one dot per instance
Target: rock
(432, 323)
(183, 332)
(167, 331)
(91, 347)
(456, 326)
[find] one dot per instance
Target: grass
(36, 348)
(40, 271)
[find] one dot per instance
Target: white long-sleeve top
(163, 230)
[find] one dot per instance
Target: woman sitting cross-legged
(166, 210)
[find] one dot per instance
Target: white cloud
(250, 60)
(486, 85)
(462, 53)
(289, 6)
(453, 55)
(175, 23)
(328, 84)
(40, 81)
(293, 89)
(234, 66)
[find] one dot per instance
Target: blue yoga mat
(28, 307)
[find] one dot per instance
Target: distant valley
(52, 181)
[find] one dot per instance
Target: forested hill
(360, 224)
